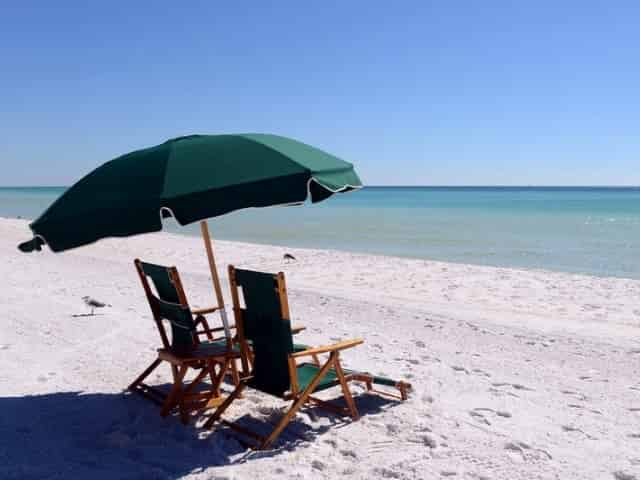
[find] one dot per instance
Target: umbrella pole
(204, 228)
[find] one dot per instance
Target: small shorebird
(93, 303)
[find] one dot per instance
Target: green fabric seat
(306, 373)
(220, 343)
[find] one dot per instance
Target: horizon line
(415, 186)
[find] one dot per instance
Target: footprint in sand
(478, 416)
(518, 386)
(387, 473)
(429, 441)
(515, 386)
(579, 396)
(590, 307)
(331, 442)
(458, 368)
(349, 454)
(393, 428)
(516, 448)
(526, 451)
(318, 465)
(478, 413)
(429, 358)
(500, 393)
(570, 429)
(620, 475)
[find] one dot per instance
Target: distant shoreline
(430, 187)
(589, 230)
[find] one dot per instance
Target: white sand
(517, 374)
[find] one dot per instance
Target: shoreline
(358, 252)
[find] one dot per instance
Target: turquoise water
(585, 230)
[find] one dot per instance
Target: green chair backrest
(161, 278)
(268, 331)
(167, 306)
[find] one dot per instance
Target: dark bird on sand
(288, 256)
(93, 303)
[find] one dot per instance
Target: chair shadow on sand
(120, 435)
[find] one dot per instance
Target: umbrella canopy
(190, 178)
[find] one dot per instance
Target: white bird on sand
(93, 303)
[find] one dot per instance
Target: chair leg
(217, 379)
(145, 374)
(300, 400)
(211, 369)
(176, 391)
(235, 376)
(403, 391)
(351, 404)
(221, 409)
(195, 382)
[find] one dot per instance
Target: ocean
(591, 230)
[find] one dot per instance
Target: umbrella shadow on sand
(116, 435)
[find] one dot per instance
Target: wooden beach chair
(265, 321)
(213, 357)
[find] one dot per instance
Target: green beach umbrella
(191, 178)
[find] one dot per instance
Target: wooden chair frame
(213, 362)
(299, 397)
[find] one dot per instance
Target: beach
(516, 373)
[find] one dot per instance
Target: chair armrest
(328, 348)
(204, 311)
(297, 329)
(213, 330)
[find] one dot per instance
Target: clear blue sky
(432, 93)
